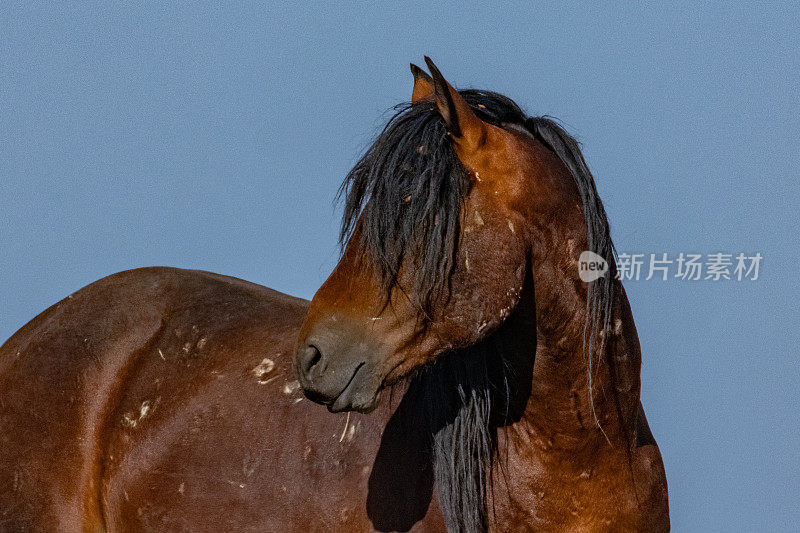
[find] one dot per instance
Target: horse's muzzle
(336, 372)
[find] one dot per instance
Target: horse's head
(437, 233)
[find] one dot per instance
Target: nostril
(316, 357)
(311, 361)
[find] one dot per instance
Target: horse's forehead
(501, 175)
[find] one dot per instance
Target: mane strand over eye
(407, 191)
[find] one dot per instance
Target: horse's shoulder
(130, 347)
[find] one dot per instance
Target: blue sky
(215, 138)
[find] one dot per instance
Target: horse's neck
(560, 411)
(555, 441)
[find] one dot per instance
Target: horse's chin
(361, 406)
(361, 394)
(355, 401)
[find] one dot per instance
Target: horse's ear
(423, 85)
(467, 130)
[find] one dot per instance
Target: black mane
(404, 196)
(405, 193)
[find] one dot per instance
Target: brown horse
(164, 399)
